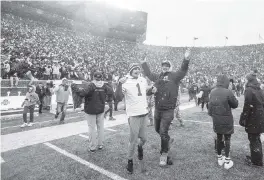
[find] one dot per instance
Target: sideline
(86, 163)
(42, 122)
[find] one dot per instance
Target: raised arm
(179, 75)
(152, 76)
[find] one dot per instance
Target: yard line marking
(86, 163)
(2, 160)
(109, 129)
(84, 136)
(41, 122)
(206, 122)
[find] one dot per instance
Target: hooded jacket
(219, 108)
(31, 97)
(94, 95)
(167, 85)
(253, 110)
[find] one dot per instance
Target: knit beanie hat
(133, 66)
(168, 63)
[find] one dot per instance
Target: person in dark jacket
(220, 103)
(109, 99)
(253, 118)
(193, 91)
(165, 91)
(205, 96)
(95, 97)
(40, 90)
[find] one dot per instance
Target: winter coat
(253, 110)
(206, 91)
(167, 85)
(193, 89)
(94, 96)
(219, 108)
(40, 91)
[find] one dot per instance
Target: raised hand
(187, 54)
(144, 58)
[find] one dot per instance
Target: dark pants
(223, 144)
(163, 120)
(110, 104)
(41, 104)
(255, 149)
(204, 103)
(31, 113)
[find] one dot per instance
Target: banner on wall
(15, 102)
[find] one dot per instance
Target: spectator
(56, 71)
(94, 108)
(252, 118)
(40, 90)
(63, 93)
(221, 101)
(29, 105)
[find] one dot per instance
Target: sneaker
(163, 159)
(130, 166)
(112, 119)
(30, 124)
(100, 147)
(140, 152)
(23, 125)
(221, 160)
(92, 150)
(61, 122)
(228, 163)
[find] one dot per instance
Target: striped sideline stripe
(86, 163)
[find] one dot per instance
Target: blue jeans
(163, 120)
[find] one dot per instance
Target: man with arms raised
(166, 91)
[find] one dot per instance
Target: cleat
(130, 166)
(100, 147)
(92, 150)
(169, 161)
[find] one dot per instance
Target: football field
(48, 151)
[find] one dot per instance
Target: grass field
(192, 152)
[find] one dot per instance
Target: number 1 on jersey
(139, 91)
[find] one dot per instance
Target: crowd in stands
(44, 51)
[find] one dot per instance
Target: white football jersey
(135, 96)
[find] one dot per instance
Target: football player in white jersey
(134, 89)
